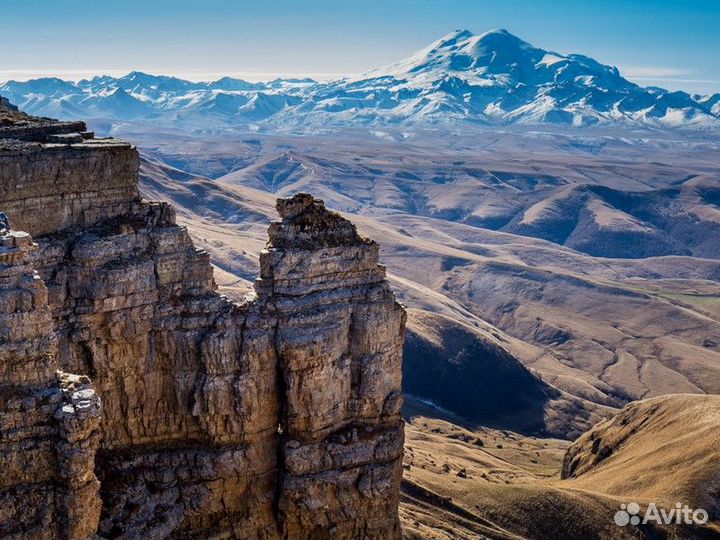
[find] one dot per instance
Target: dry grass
(510, 487)
(665, 449)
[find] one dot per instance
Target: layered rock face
(275, 418)
(339, 344)
(49, 187)
(49, 420)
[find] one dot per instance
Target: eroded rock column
(339, 344)
(189, 427)
(277, 417)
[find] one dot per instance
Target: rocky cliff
(278, 417)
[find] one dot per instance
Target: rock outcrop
(278, 417)
(49, 420)
(5, 104)
(339, 342)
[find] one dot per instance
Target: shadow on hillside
(476, 380)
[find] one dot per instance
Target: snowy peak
(497, 55)
(42, 86)
(490, 78)
(498, 49)
(452, 37)
(498, 41)
(460, 50)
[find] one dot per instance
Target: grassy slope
(509, 486)
(677, 437)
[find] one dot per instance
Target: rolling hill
(562, 338)
(675, 435)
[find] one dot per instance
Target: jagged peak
(139, 75)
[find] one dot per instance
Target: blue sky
(674, 44)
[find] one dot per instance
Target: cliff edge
(138, 403)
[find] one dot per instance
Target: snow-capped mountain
(493, 78)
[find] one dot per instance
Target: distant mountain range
(495, 78)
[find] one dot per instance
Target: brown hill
(461, 482)
(664, 449)
(446, 362)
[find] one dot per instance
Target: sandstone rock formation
(275, 418)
